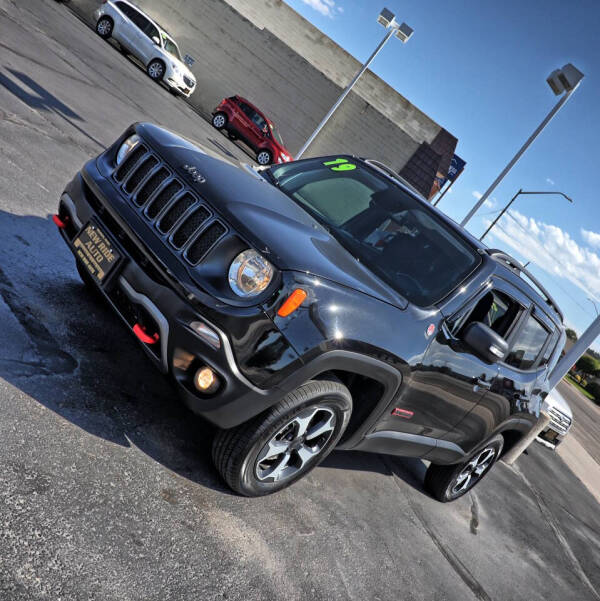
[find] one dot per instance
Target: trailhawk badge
(196, 175)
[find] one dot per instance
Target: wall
(238, 48)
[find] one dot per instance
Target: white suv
(147, 41)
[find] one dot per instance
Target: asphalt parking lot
(107, 490)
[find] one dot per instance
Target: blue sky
(479, 70)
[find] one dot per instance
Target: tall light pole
(402, 31)
(562, 81)
(513, 200)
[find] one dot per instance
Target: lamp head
(565, 79)
(385, 18)
(404, 33)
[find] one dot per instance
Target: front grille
(187, 229)
(179, 216)
(163, 198)
(204, 242)
(188, 82)
(140, 173)
(129, 163)
(157, 178)
(559, 421)
(171, 217)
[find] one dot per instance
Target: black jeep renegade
(313, 305)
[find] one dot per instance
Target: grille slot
(170, 218)
(204, 242)
(188, 82)
(163, 198)
(150, 186)
(560, 422)
(189, 227)
(136, 178)
(129, 163)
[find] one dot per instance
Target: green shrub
(594, 389)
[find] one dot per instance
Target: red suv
(243, 120)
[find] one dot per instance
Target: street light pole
(566, 80)
(499, 216)
(402, 31)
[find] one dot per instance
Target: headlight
(250, 273)
(126, 148)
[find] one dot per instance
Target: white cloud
(550, 181)
(325, 7)
(477, 194)
(552, 249)
(591, 238)
(490, 203)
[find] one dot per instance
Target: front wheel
(283, 444)
(156, 69)
(104, 27)
(219, 120)
(264, 157)
(449, 482)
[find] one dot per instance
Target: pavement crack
(474, 513)
(560, 537)
(56, 361)
(453, 560)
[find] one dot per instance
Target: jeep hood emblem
(196, 175)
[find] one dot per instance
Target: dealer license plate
(95, 251)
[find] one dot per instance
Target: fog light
(206, 380)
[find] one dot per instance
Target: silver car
(147, 41)
(561, 420)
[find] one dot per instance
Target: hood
(267, 218)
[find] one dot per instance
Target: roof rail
(519, 269)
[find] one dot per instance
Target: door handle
(479, 383)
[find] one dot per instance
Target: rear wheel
(104, 27)
(449, 482)
(283, 444)
(219, 120)
(264, 157)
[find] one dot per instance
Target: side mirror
(156, 40)
(485, 343)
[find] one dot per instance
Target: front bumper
(177, 82)
(550, 438)
(139, 294)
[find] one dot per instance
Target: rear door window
(528, 344)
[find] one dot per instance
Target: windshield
(171, 47)
(395, 235)
(277, 135)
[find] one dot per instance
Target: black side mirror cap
(485, 343)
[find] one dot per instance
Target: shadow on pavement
(71, 353)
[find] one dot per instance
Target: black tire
(264, 153)
(219, 121)
(446, 482)
(236, 452)
(104, 27)
(156, 69)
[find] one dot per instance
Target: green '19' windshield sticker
(340, 165)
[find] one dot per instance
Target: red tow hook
(139, 331)
(60, 223)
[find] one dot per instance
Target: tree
(587, 364)
(594, 389)
(571, 334)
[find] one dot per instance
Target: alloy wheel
(263, 158)
(155, 70)
(219, 121)
(104, 27)
(295, 445)
(473, 470)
